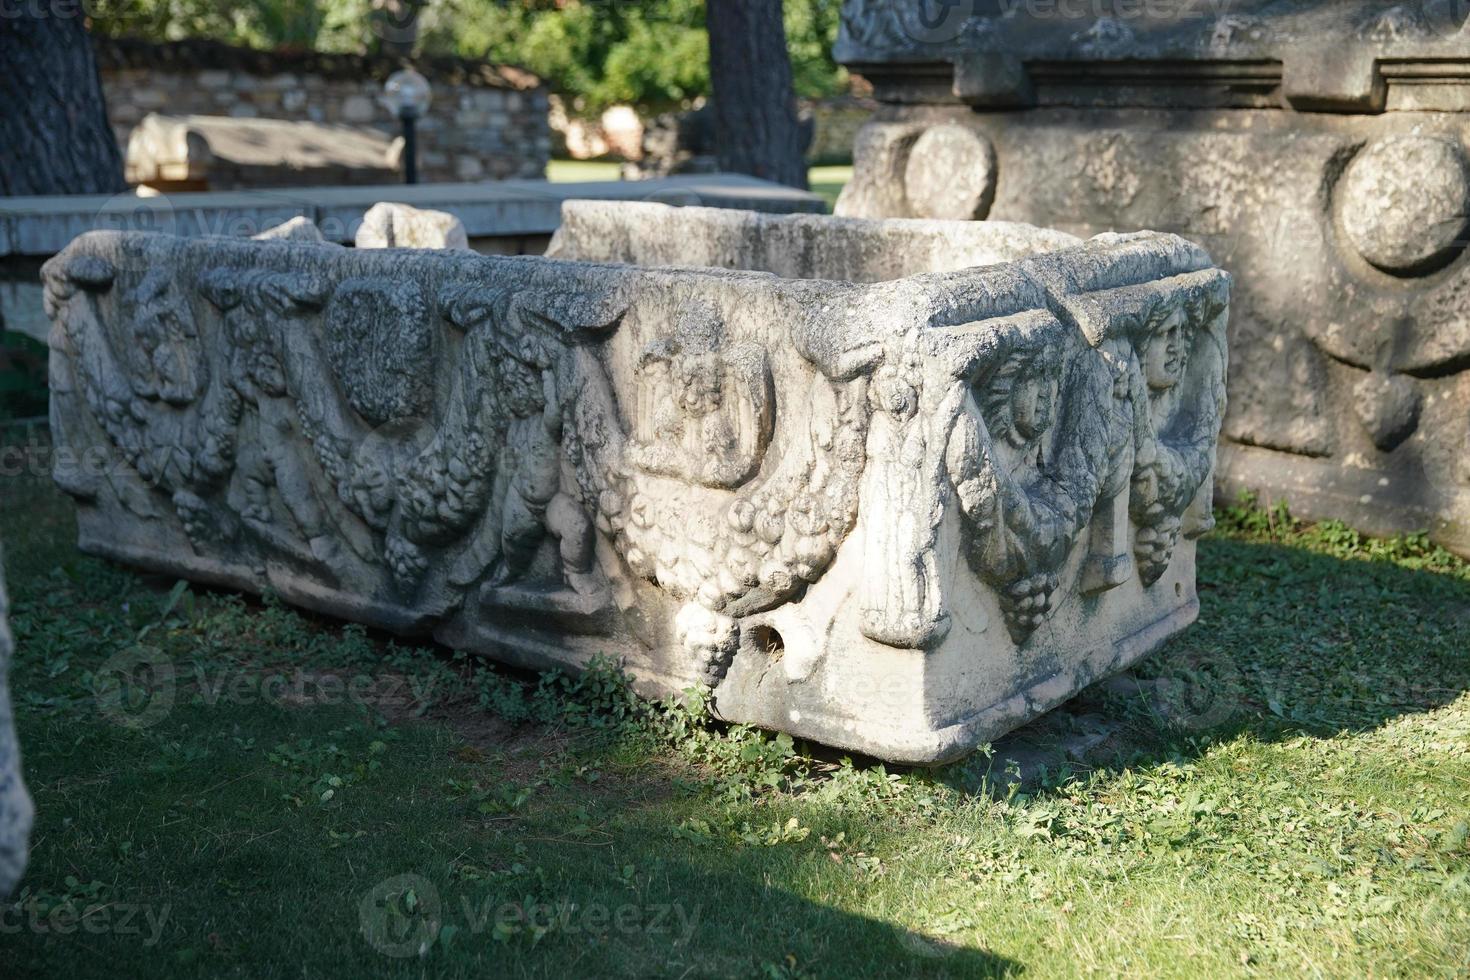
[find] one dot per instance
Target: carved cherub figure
(165, 350)
(1173, 438)
(535, 493)
(1025, 485)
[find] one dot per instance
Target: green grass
(578, 171)
(829, 181)
(1311, 820)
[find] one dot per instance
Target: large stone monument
(1316, 149)
(16, 810)
(899, 516)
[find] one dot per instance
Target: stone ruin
(915, 488)
(1316, 148)
(16, 810)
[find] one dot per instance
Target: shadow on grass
(1290, 642)
(272, 840)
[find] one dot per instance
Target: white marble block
(899, 516)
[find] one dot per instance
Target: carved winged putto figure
(1025, 458)
(1178, 331)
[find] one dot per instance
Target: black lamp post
(406, 94)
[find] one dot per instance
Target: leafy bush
(22, 377)
(652, 53)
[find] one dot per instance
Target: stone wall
(486, 121)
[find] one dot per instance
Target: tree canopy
(653, 53)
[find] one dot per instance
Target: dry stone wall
(485, 122)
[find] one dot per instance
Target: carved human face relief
(698, 379)
(167, 342)
(1164, 359)
(523, 395)
(1033, 401)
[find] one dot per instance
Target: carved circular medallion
(1405, 202)
(950, 173)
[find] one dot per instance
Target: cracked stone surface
(900, 516)
(1316, 149)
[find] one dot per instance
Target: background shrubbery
(651, 53)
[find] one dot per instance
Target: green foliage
(300, 25)
(22, 377)
(652, 53)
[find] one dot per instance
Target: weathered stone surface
(1405, 201)
(795, 246)
(1344, 228)
(16, 809)
(220, 152)
(298, 229)
(899, 517)
(388, 225)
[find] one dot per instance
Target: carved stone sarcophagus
(897, 516)
(1316, 148)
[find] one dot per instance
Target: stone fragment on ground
(388, 225)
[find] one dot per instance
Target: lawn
(285, 796)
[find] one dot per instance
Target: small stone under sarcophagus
(1316, 148)
(899, 516)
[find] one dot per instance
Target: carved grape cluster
(772, 538)
(446, 490)
(1026, 604)
(1153, 548)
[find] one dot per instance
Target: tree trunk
(396, 26)
(54, 134)
(756, 130)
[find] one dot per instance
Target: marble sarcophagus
(896, 500)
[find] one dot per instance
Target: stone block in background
(1316, 149)
(199, 153)
(899, 517)
(16, 809)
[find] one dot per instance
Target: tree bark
(54, 134)
(756, 129)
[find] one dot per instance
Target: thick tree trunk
(54, 134)
(396, 26)
(756, 130)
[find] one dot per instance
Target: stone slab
(1345, 229)
(1309, 55)
(897, 517)
(795, 246)
(217, 150)
(42, 226)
